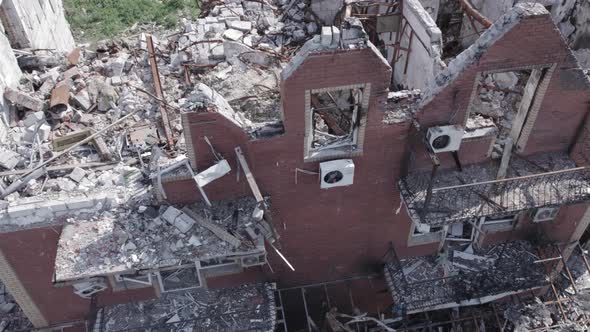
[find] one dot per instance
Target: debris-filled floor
(12, 318)
(243, 308)
(472, 192)
(126, 240)
(458, 277)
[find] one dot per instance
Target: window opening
(179, 278)
(335, 118)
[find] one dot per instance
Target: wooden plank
(218, 231)
(525, 103)
(249, 176)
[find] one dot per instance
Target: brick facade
(340, 232)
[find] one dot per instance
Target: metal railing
(459, 203)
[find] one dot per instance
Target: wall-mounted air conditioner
(87, 288)
(545, 214)
(336, 173)
(249, 261)
(445, 138)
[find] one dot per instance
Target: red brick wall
(560, 229)
(31, 254)
(341, 232)
(325, 234)
(535, 41)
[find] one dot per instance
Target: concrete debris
(23, 99)
(12, 318)
(251, 307)
(123, 238)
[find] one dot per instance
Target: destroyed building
(288, 165)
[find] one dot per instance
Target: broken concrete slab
(77, 174)
(244, 26)
(9, 159)
(233, 34)
(24, 100)
(34, 119)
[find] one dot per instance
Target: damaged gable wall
(533, 42)
(326, 234)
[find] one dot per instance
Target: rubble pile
(401, 106)
(12, 318)
(525, 317)
(100, 106)
(151, 237)
(247, 307)
(498, 97)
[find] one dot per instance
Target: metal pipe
(471, 11)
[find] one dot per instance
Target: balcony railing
(462, 202)
(419, 283)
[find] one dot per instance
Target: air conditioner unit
(86, 289)
(249, 261)
(545, 214)
(336, 173)
(445, 138)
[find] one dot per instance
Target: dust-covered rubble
(247, 307)
(151, 237)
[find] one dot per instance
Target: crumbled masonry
(243, 308)
(98, 143)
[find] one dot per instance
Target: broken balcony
(462, 278)
(122, 241)
(242, 308)
(459, 196)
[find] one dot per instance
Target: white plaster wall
(490, 9)
(37, 24)
(9, 77)
(424, 61)
(431, 7)
(326, 10)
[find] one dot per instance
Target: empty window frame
(335, 121)
(131, 281)
(499, 223)
(425, 234)
(216, 267)
(177, 278)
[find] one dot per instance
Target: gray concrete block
(79, 203)
(22, 210)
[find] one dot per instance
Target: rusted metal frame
(409, 51)
(513, 179)
(567, 270)
(473, 25)
(471, 11)
(397, 46)
(398, 42)
(584, 257)
(497, 318)
(558, 300)
(158, 91)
